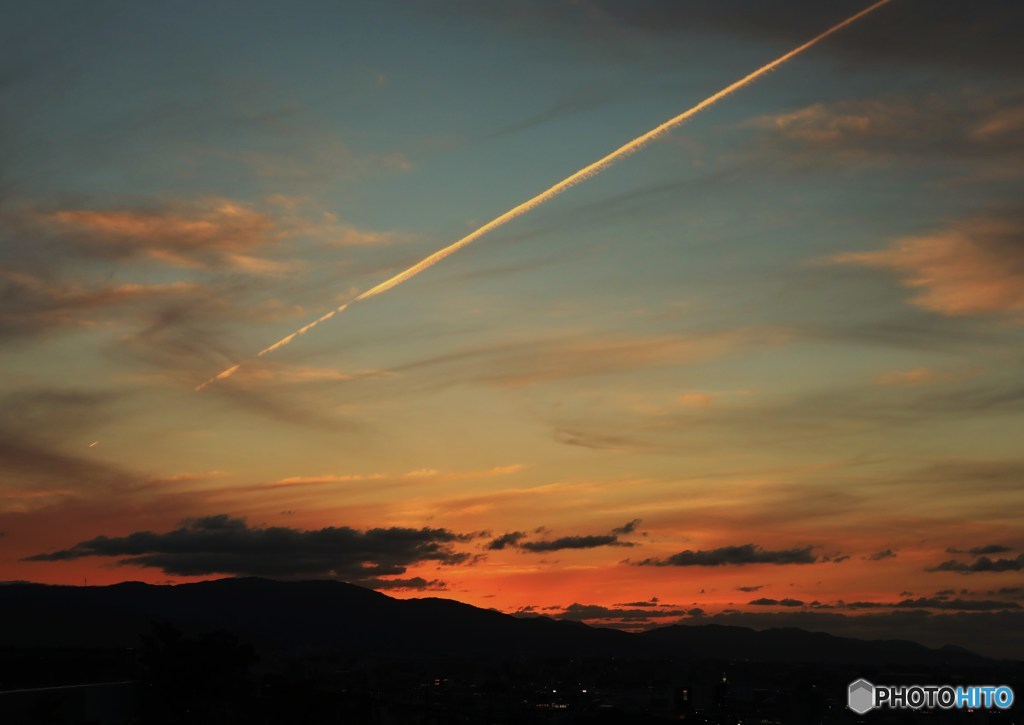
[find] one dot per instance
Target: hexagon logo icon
(861, 696)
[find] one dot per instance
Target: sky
(765, 371)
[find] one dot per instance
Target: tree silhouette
(195, 679)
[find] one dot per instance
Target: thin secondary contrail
(585, 173)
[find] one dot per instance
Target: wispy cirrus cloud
(32, 304)
(44, 433)
(210, 232)
(272, 373)
(532, 362)
(956, 125)
(413, 476)
(309, 154)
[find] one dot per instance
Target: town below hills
(247, 648)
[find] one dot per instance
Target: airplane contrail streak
(585, 173)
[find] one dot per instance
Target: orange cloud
(971, 268)
(824, 124)
(1002, 122)
(957, 123)
(917, 376)
(203, 233)
(276, 374)
(696, 400)
(34, 304)
(82, 296)
(175, 236)
(412, 475)
(326, 478)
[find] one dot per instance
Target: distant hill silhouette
(310, 616)
(791, 645)
(295, 616)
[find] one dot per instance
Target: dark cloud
(515, 539)
(1017, 592)
(749, 589)
(966, 605)
(628, 528)
(941, 600)
(574, 542)
(416, 582)
(583, 612)
(766, 602)
(652, 603)
(981, 550)
(599, 441)
(854, 605)
(981, 564)
(225, 545)
(734, 556)
(882, 555)
(509, 539)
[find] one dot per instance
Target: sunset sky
(767, 370)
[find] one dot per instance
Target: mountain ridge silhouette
(325, 615)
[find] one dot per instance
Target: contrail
(585, 173)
